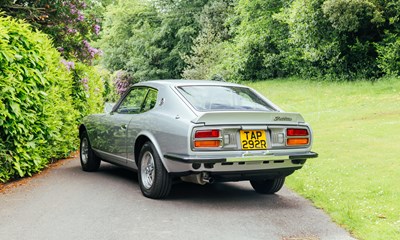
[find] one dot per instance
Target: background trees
(148, 38)
(253, 40)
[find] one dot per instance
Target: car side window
(150, 101)
(133, 102)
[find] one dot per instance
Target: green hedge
(88, 88)
(38, 120)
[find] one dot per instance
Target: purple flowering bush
(122, 80)
(71, 24)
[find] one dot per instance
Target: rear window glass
(223, 98)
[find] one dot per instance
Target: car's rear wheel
(89, 161)
(268, 186)
(154, 180)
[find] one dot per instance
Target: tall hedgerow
(37, 117)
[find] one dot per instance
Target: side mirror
(108, 107)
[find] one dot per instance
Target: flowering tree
(122, 80)
(71, 24)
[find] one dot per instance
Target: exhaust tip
(206, 178)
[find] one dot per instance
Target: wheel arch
(82, 129)
(141, 140)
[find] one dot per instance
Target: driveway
(67, 203)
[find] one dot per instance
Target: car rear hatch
(250, 131)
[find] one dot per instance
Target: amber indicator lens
(297, 141)
(207, 143)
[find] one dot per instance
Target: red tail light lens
(296, 132)
(207, 133)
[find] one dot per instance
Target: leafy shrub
(110, 93)
(88, 88)
(389, 55)
(352, 15)
(205, 61)
(37, 117)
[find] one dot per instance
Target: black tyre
(89, 161)
(154, 180)
(269, 186)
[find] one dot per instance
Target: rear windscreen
(223, 98)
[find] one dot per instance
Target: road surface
(67, 203)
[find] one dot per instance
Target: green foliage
(179, 26)
(389, 54)
(328, 45)
(259, 39)
(252, 40)
(205, 54)
(110, 93)
(147, 38)
(352, 15)
(129, 40)
(389, 48)
(204, 60)
(88, 88)
(37, 119)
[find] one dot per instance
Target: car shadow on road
(230, 194)
(118, 172)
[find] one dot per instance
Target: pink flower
(71, 30)
(96, 29)
(85, 85)
(68, 65)
(80, 17)
(91, 50)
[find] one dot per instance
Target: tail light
(297, 136)
(207, 133)
(209, 138)
(297, 132)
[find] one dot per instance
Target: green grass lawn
(356, 125)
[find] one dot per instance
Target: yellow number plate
(253, 139)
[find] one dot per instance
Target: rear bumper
(205, 159)
(236, 166)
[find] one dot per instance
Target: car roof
(184, 82)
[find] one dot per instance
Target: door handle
(124, 126)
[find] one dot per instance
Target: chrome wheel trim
(147, 170)
(84, 150)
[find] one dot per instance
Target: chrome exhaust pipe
(207, 179)
(200, 178)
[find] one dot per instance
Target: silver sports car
(197, 131)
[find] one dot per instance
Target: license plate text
(253, 139)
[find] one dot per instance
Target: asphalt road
(67, 203)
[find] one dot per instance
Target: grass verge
(357, 135)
